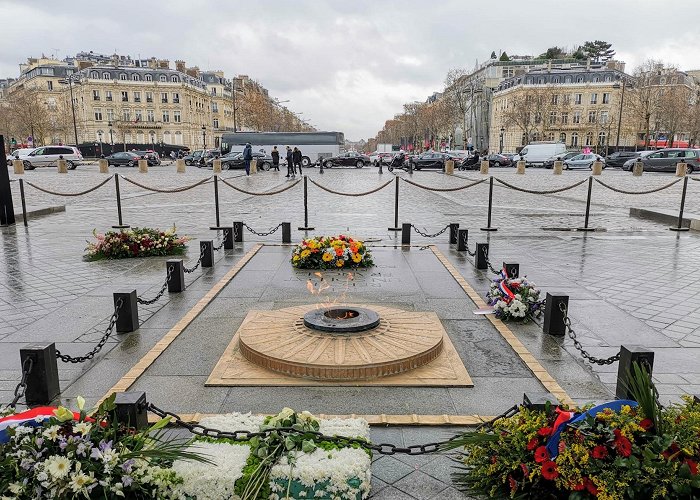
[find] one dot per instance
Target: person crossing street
(296, 157)
(290, 162)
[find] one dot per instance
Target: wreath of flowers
(135, 242)
(331, 252)
(514, 298)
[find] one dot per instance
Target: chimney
(193, 71)
(164, 64)
(180, 65)
(84, 64)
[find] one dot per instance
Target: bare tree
(674, 108)
(458, 94)
(643, 101)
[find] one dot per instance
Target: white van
(537, 152)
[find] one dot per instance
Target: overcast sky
(347, 65)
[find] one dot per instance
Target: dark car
(499, 160)
(200, 156)
(128, 158)
(618, 158)
(431, 159)
(150, 156)
(549, 162)
(665, 160)
(263, 160)
(349, 159)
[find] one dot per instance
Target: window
(662, 81)
(603, 118)
(125, 96)
(176, 117)
(552, 117)
(137, 96)
(95, 95)
(540, 81)
(110, 115)
(150, 115)
(577, 117)
(591, 117)
(135, 77)
(148, 78)
(567, 79)
(166, 116)
(105, 76)
(594, 98)
(555, 79)
(579, 79)
(164, 97)
(606, 98)
(176, 97)
(608, 78)
(577, 98)
(538, 117)
(108, 95)
(589, 139)
(214, 107)
(216, 123)
(49, 85)
(213, 91)
(555, 99)
(149, 96)
(94, 74)
(138, 115)
(174, 79)
(562, 138)
(601, 138)
(565, 118)
(163, 78)
(574, 140)
(122, 76)
(596, 79)
(126, 115)
(98, 115)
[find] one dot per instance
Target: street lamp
(619, 117)
(99, 134)
(111, 139)
(69, 81)
(500, 136)
(204, 137)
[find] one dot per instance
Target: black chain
(199, 261)
(160, 292)
(485, 252)
(80, 359)
(513, 410)
(262, 234)
(579, 347)
(223, 241)
(27, 366)
(425, 235)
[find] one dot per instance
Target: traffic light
(13, 142)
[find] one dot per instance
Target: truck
(386, 148)
(536, 153)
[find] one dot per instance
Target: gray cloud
(347, 65)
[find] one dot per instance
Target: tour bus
(313, 145)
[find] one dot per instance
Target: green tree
(598, 50)
(553, 53)
(504, 57)
(493, 55)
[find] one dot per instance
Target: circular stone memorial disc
(280, 341)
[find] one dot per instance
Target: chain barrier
(534, 191)
(271, 231)
(27, 366)
(108, 332)
(167, 190)
(199, 261)
(442, 190)
(425, 235)
(485, 253)
(56, 193)
(513, 410)
(223, 241)
(350, 194)
(265, 193)
(579, 347)
(617, 190)
(160, 292)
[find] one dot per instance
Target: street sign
(30, 140)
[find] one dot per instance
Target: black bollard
(680, 212)
(320, 168)
(629, 355)
(513, 270)
(24, 203)
(128, 319)
(206, 247)
(405, 234)
(588, 207)
(482, 256)
(454, 229)
(238, 232)
(396, 208)
(306, 226)
(177, 275)
(7, 210)
(42, 381)
(121, 224)
(553, 323)
(131, 409)
(287, 232)
(488, 221)
(380, 165)
(539, 400)
(462, 239)
(228, 238)
(216, 203)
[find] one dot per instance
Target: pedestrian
(296, 157)
(290, 162)
(275, 159)
(247, 157)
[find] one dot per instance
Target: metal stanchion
(588, 207)
(121, 224)
(488, 222)
(482, 256)
(24, 203)
(128, 319)
(405, 233)
(216, 204)
(454, 229)
(306, 226)
(462, 239)
(396, 208)
(680, 212)
(553, 323)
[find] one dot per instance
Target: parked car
(665, 160)
(151, 156)
(583, 160)
(200, 156)
(431, 159)
(263, 160)
(536, 153)
(349, 159)
(619, 158)
(224, 158)
(385, 157)
(17, 153)
(549, 162)
(48, 156)
(641, 154)
(123, 158)
(499, 160)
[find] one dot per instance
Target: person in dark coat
(296, 157)
(247, 157)
(290, 162)
(275, 159)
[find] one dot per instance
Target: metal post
(320, 168)
(286, 232)
(488, 222)
(512, 269)
(7, 211)
(553, 315)
(177, 276)
(306, 226)
(454, 229)
(131, 409)
(42, 381)
(238, 232)
(462, 239)
(405, 234)
(680, 212)
(207, 248)
(24, 203)
(228, 238)
(482, 255)
(121, 224)
(128, 319)
(588, 207)
(380, 166)
(629, 355)
(216, 203)
(396, 208)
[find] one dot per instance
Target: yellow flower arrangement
(331, 252)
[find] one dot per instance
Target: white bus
(313, 145)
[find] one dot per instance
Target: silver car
(584, 160)
(48, 156)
